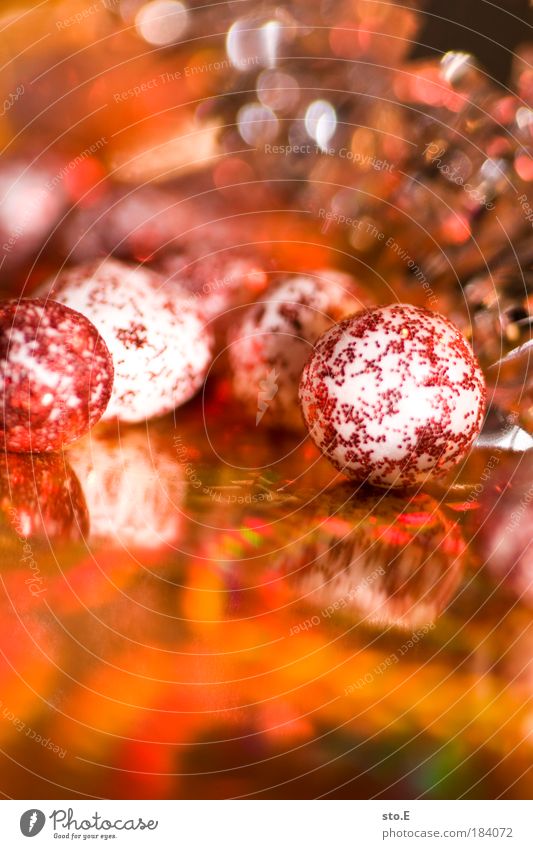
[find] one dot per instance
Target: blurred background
(200, 606)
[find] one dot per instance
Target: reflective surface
(253, 626)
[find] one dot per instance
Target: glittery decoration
(393, 395)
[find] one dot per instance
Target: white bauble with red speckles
(393, 395)
(270, 345)
(160, 347)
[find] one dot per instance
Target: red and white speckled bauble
(160, 347)
(392, 395)
(56, 375)
(271, 344)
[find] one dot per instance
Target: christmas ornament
(393, 395)
(160, 347)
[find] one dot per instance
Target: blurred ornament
(160, 345)
(161, 22)
(33, 196)
(41, 497)
(271, 343)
